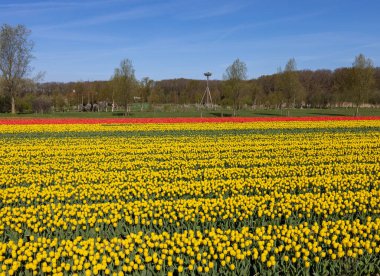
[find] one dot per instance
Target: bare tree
(124, 81)
(234, 76)
(15, 57)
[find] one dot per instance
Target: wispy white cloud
(126, 13)
(96, 11)
(80, 37)
(260, 24)
(20, 10)
(174, 35)
(52, 5)
(374, 44)
(201, 10)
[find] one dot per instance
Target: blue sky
(87, 39)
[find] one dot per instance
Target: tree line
(358, 85)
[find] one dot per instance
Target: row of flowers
(191, 198)
(27, 121)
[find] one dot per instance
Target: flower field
(227, 196)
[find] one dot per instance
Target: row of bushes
(37, 104)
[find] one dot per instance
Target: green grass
(177, 112)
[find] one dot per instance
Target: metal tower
(206, 99)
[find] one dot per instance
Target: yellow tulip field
(190, 198)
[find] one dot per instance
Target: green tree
(256, 94)
(15, 57)
(276, 97)
(124, 82)
(156, 96)
(362, 80)
(146, 87)
(291, 86)
(234, 76)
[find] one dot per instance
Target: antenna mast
(206, 99)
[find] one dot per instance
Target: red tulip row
(29, 121)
